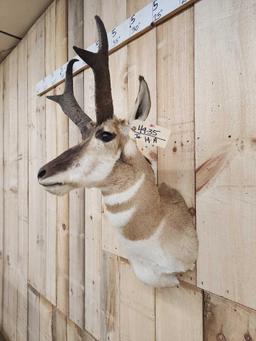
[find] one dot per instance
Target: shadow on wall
(2, 338)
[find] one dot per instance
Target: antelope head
(106, 142)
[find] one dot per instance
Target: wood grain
(179, 314)
(175, 77)
(45, 320)
(33, 315)
(76, 197)
(74, 333)
(10, 294)
(59, 326)
(110, 298)
(137, 307)
(226, 320)
(50, 153)
(225, 123)
(37, 197)
(1, 186)
(62, 145)
(23, 195)
(93, 275)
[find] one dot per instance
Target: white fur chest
(149, 254)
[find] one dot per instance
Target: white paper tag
(149, 134)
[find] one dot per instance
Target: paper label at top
(149, 134)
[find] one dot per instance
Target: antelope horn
(69, 104)
(99, 63)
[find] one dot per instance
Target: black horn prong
(69, 104)
(89, 56)
(100, 66)
(102, 33)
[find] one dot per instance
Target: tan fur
(151, 206)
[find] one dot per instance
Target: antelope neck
(133, 204)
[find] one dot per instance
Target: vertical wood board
(45, 320)
(33, 315)
(76, 197)
(179, 314)
(225, 150)
(37, 197)
(175, 94)
(110, 298)
(62, 145)
(10, 195)
(50, 153)
(22, 237)
(226, 320)
(137, 307)
(1, 185)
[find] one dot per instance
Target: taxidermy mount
(155, 228)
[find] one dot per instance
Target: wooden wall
(62, 273)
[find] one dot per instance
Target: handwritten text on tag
(149, 134)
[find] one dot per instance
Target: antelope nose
(41, 173)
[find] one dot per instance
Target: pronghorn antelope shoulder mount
(154, 225)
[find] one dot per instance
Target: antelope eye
(105, 136)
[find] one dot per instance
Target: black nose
(41, 173)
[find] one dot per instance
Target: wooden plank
(1, 186)
(11, 195)
(175, 79)
(62, 145)
(93, 261)
(92, 234)
(51, 152)
(91, 8)
(45, 320)
(59, 326)
(225, 129)
(137, 307)
(22, 237)
(75, 25)
(179, 314)
(33, 315)
(76, 197)
(37, 197)
(110, 295)
(134, 6)
(74, 333)
(226, 320)
(176, 111)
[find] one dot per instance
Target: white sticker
(149, 134)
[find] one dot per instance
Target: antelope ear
(142, 103)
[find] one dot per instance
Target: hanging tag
(149, 134)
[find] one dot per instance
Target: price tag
(149, 134)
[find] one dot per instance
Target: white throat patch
(119, 198)
(120, 219)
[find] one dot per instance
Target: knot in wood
(8, 260)
(247, 337)
(221, 337)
